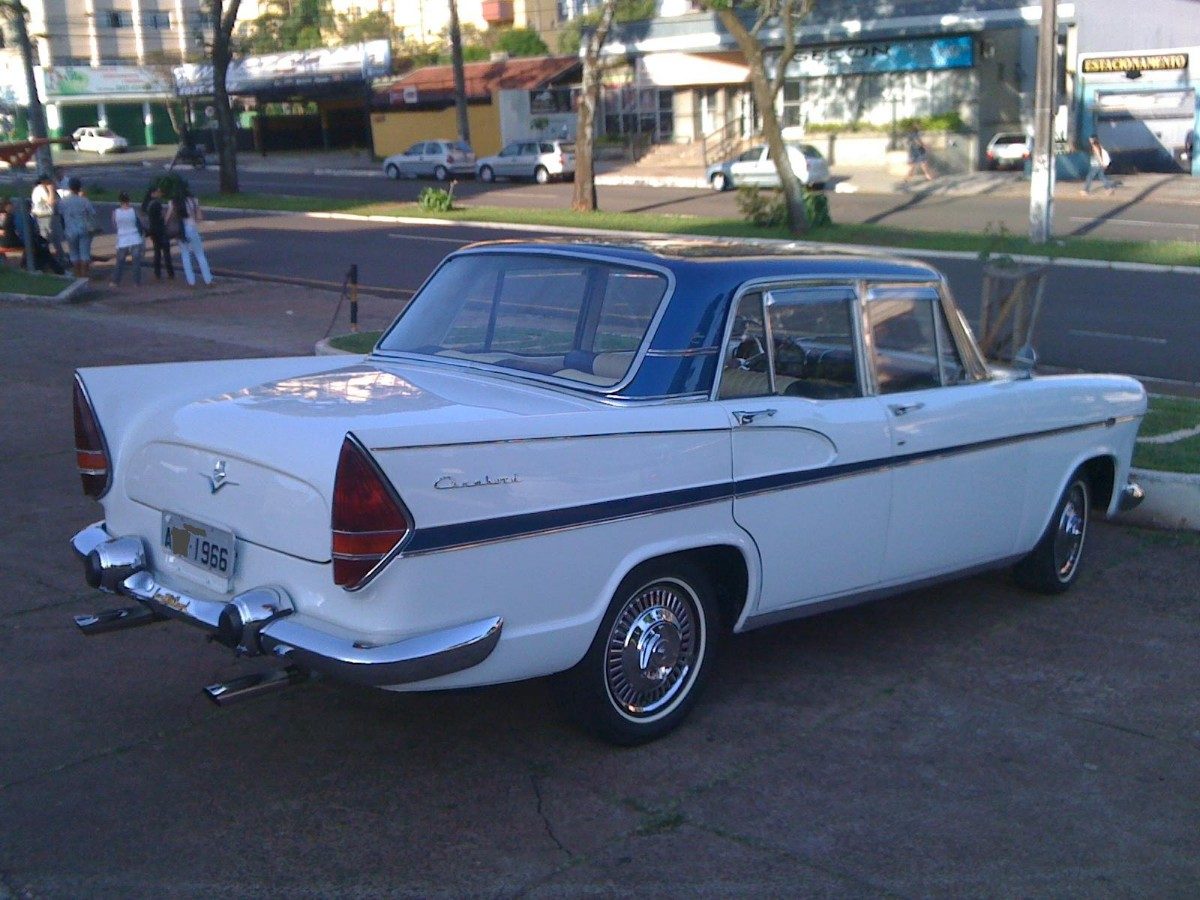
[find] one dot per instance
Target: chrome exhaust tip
(116, 619)
(110, 563)
(256, 685)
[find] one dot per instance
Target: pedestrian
(156, 225)
(918, 156)
(44, 208)
(62, 181)
(185, 211)
(16, 227)
(1189, 148)
(131, 239)
(1098, 163)
(79, 224)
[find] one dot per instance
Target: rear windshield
(579, 319)
(461, 147)
(1010, 139)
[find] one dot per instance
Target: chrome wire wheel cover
(654, 649)
(1072, 529)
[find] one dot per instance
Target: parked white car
(432, 159)
(755, 167)
(1008, 150)
(540, 160)
(591, 461)
(95, 139)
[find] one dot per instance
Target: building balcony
(498, 12)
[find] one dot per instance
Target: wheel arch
(1101, 472)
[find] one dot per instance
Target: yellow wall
(395, 132)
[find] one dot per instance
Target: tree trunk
(223, 21)
(584, 198)
(764, 95)
(460, 78)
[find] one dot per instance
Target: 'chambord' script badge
(447, 482)
(219, 478)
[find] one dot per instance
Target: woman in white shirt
(131, 239)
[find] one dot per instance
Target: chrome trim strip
(558, 437)
(479, 532)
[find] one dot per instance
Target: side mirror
(1026, 360)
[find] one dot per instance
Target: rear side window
(911, 342)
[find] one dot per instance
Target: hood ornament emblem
(219, 478)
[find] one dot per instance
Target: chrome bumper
(264, 621)
(1131, 495)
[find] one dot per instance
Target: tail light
(91, 452)
(369, 521)
(562, 159)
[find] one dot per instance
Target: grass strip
(18, 281)
(1166, 253)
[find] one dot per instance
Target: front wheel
(392, 171)
(487, 175)
(541, 175)
(1053, 564)
(650, 657)
(441, 173)
(719, 181)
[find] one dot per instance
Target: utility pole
(460, 78)
(37, 116)
(1041, 185)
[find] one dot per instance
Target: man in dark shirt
(152, 206)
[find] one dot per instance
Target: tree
(222, 18)
(584, 198)
(289, 25)
(518, 42)
(766, 85)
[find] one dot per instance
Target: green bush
(950, 121)
(171, 185)
(436, 200)
(768, 209)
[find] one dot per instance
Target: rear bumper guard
(264, 621)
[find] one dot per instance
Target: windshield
(580, 319)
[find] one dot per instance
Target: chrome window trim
(853, 288)
(872, 293)
(580, 386)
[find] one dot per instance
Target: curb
(323, 347)
(1172, 501)
(66, 295)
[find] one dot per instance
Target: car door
(744, 169)
(409, 163)
(810, 449)
(506, 160)
(957, 496)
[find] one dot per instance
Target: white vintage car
(590, 460)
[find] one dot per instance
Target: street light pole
(1041, 185)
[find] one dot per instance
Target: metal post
(353, 277)
(1041, 185)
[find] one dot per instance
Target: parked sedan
(431, 159)
(756, 168)
(539, 160)
(98, 140)
(591, 461)
(1008, 150)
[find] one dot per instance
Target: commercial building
(104, 64)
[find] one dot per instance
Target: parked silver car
(756, 167)
(436, 159)
(539, 160)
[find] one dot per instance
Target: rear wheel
(441, 173)
(1052, 566)
(392, 171)
(650, 657)
(541, 175)
(486, 174)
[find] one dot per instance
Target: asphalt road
(1142, 323)
(968, 740)
(1130, 214)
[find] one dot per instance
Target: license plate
(211, 549)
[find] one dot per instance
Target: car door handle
(746, 416)
(903, 409)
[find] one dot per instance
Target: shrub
(436, 200)
(768, 209)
